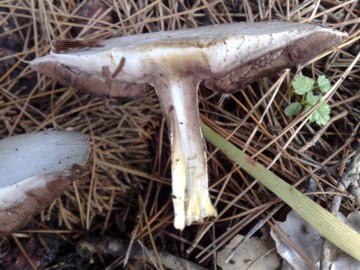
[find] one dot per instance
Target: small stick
(317, 136)
(254, 229)
(64, 45)
(118, 247)
(119, 68)
(350, 179)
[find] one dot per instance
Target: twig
(149, 254)
(350, 180)
(23, 251)
(118, 247)
(254, 229)
(317, 136)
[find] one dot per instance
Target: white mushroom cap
(237, 52)
(225, 57)
(34, 169)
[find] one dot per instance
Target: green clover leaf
(323, 84)
(321, 116)
(292, 109)
(302, 84)
(311, 98)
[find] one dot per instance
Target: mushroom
(34, 169)
(226, 57)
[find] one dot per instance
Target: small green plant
(306, 87)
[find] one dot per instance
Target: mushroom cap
(34, 170)
(225, 56)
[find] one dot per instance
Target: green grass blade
(323, 221)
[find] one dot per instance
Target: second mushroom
(226, 57)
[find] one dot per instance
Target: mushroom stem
(190, 190)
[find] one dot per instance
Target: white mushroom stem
(190, 190)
